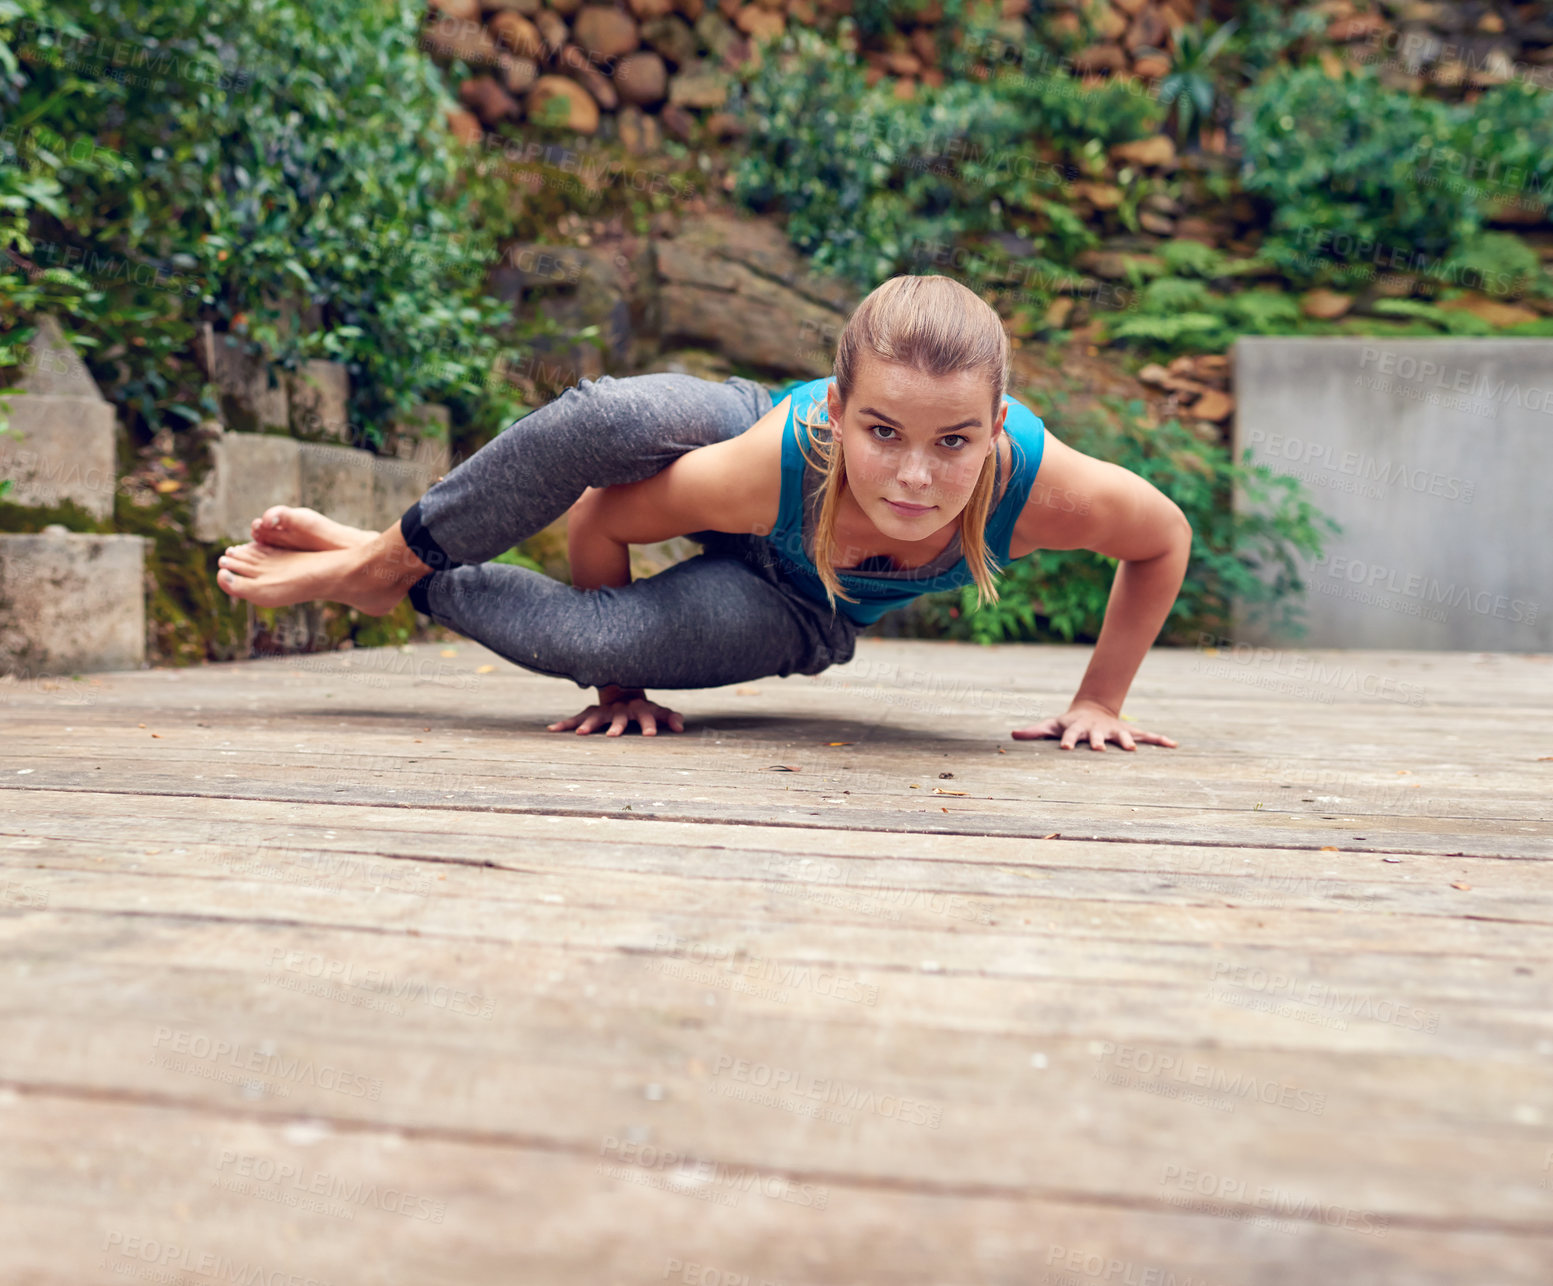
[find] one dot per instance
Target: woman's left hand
(1089, 719)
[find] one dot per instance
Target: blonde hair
(937, 326)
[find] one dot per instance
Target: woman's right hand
(617, 707)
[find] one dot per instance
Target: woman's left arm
(1079, 502)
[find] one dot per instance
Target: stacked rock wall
(658, 66)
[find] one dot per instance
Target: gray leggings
(725, 616)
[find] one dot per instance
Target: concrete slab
(71, 603)
(319, 394)
(249, 473)
(53, 367)
(1434, 455)
(61, 448)
(339, 482)
(396, 485)
(251, 400)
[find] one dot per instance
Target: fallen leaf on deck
(157, 735)
(1330, 848)
(784, 768)
(939, 790)
(1053, 835)
(1457, 884)
(841, 743)
(448, 651)
(746, 692)
(484, 669)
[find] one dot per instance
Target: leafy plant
(1188, 88)
(1500, 261)
(1199, 332)
(1183, 256)
(871, 185)
(1370, 177)
(246, 163)
(1244, 557)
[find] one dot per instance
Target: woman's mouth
(906, 510)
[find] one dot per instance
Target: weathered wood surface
(344, 969)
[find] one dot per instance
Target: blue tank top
(879, 591)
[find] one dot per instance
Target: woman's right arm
(734, 485)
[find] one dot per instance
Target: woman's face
(914, 444)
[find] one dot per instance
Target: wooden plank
(1240, 1014)
(112, 1184)
(214, 1016)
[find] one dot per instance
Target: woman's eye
(954, 441)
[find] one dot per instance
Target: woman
(809, 532)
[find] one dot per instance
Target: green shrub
(1339, 160)
(234, 161)
(1379, 179)
(1245, 555)
(871, 185)
(1500, 149)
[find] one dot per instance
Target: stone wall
(635, 69)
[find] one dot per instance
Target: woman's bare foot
(292, 527)
(371, 577)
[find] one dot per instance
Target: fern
(1264, 312)
(1505, 264)
(1453, 321)
(1186, 256)
(1170, 295)
(1203, 331)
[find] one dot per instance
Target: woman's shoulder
(1026, 429)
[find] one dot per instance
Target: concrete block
(339, 482)
(319, 393)
(396, 485)
(1434, 455)
(252, 399)
(249, 473)
(60, 448)
(53, 368)
(71, 603)
(423, 436)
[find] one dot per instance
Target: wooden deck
(342, 969)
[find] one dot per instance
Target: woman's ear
(833, 406)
